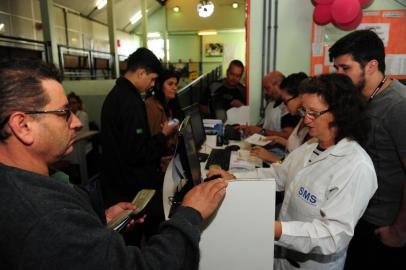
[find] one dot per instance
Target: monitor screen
(196, 123)
(186, 149)
(196, 88)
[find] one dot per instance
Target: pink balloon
(322, 14)
(324, 2)
(351, 25)
(345, 11)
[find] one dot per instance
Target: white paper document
(239, 115)
(257, 139)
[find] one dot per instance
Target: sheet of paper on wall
(318, 69)
(317, 49)
(381, 29)
(395, 64)
(239, 115)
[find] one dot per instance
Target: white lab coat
(296, 138)
(273, 116)
(324, 199)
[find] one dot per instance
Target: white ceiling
(125, 9)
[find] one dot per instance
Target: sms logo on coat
(307, 195)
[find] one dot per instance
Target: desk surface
(240, 160)
(241, 167)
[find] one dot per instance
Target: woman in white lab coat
(327, 182)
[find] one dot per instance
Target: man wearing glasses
(380, 236)
(49, 224)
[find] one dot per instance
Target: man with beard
(380, 236)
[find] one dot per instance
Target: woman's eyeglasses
(311, 114)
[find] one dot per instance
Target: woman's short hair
(345, 102)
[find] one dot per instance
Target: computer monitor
(189, 169)
(185, 97)
(218, 112)
(196, 88)
(196, 123)
(186, 149)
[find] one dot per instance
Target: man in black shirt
(228, 92)
(131, 156)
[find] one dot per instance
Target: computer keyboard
(220, 157)
(231, 133)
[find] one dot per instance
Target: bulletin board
(390, 25)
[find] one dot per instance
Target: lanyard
(377, 89)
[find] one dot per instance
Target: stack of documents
(243, 161)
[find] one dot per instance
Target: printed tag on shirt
(307, 196)
(139, 131)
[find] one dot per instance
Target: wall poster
(390, 25)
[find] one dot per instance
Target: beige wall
(184, 47)
(92, 92)
(293, 39)
(234, 47)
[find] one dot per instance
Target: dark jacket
(131, 156)
(47, 224)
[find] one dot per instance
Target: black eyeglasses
(289, 99)
(63, 112)
(311, 114)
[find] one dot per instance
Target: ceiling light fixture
(235, 5)
(205, 8)
(176, 9)
(101, 4)
(137, 16)
(154, 35)
(207, 33)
